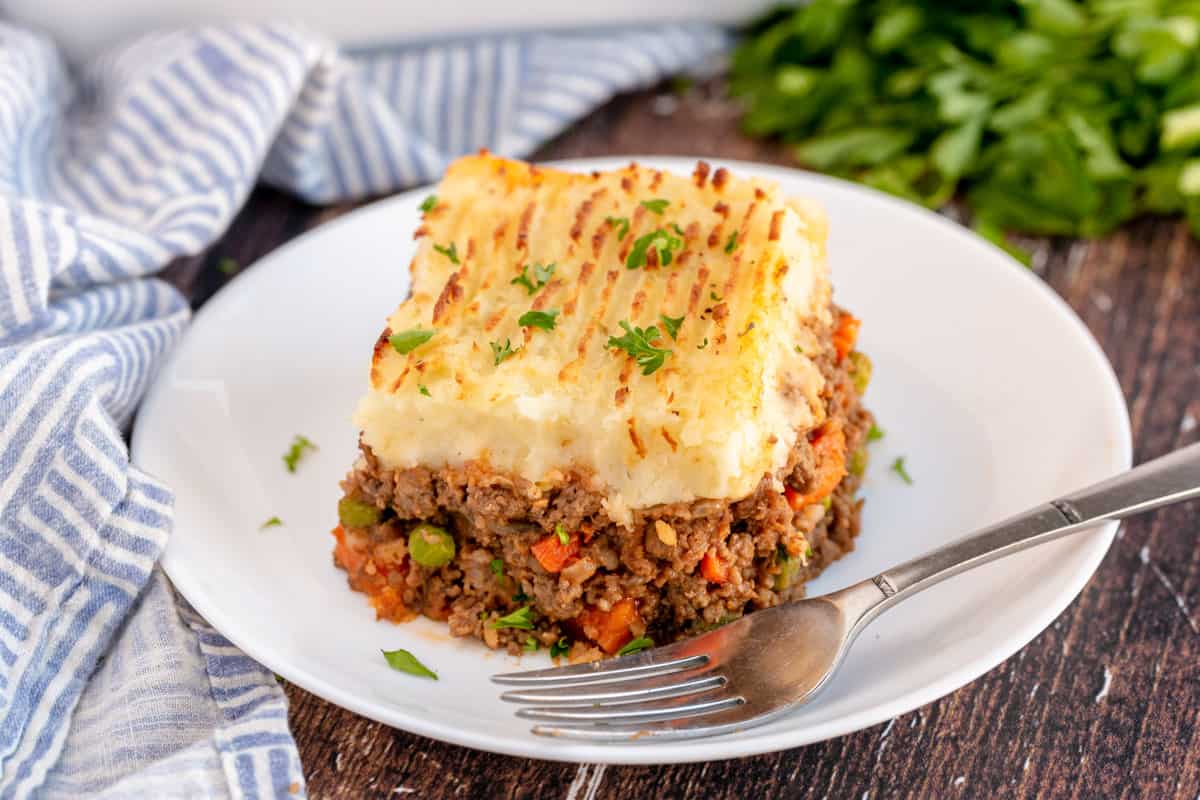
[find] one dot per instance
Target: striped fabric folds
(110, 685)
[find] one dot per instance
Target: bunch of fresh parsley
(1049, 116)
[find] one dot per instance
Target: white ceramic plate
(985, 381)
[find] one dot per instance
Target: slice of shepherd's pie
(617, 408)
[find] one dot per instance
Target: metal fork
(757, 668)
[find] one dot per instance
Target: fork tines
(643, 696)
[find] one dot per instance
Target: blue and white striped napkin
(109, 684)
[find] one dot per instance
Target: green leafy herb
(404, 661)
(424, 389)
(875, 433)
(638, 344)
(450, 252)
(538, 319)
(541, 275)
(716, 298)
(660, 241)
(560, 531)
(531, 645)
(671, 324)
(407, 341)
(675, 227)
(899, 469)
(1049, 116)
(227, 266)
(521, 619)
(428, 204)
(703, 344)
(300, 445)
(497, 566)
(500, 354)
(521, 597)
(560, 647)
(620, 224)
(731, 242)
(636, 646)
(273, 522)
(656, 206)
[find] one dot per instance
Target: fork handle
(1169, 479)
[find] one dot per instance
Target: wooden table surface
(1104, 703)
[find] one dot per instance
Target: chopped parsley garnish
(703, 344)
(731, 242)
(660, 241)
(637, 343)
(656, 206)
(541, 275)
(560, 531)
(497, 566)
(500, 354)
(899, 469)
(428, 204)
(875, 433)
(675, 227)
(531, 645)
(560, 647)
(636, 646)
(620, 224)
(227, 266)
(300, 444)
(273, 522)
(404, 661)
(407, 341)
(538, 319)
(521, 597)
(522, 618)
(672, 325)
(716, 298)
(424, 389)
(450, 252)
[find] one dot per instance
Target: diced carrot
(609, 629)
(830, 449)
(713, 568)
(846, 334)
(553, 555)
(351, 560)
(387, 602)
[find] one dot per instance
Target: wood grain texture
(1104, 703)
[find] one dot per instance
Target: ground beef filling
(591, 585)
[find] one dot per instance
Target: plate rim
(1095, 547)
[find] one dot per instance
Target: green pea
(860, 370)
(430, 546)
(858, 462)
(357, 514)
(788, 568)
